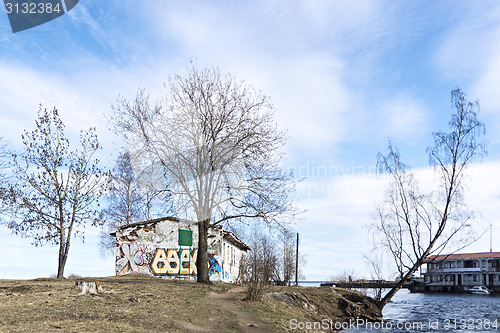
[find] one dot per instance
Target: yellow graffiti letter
(159, 264)
(185, 258)
(192, 262)
(172, 257)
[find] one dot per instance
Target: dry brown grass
(138, 303)
(130, 303)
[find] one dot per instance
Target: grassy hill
(146, 304)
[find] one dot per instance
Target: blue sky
(344, 77)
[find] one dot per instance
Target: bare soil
(146, 304)
(247, 321)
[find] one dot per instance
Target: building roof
(455, 256)
(155, 221)
(229, 235)
(235, 240)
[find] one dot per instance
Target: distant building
(152, 247)
(460, 272)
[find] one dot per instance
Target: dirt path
(247, 321)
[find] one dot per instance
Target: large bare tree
(217, 143)
(413, 225)
(54, 189)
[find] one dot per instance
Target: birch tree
(216, 142)
(55, 190)
(413, 225)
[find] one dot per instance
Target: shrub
(255, 291)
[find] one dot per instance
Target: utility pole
(297, 262)
(491, 237)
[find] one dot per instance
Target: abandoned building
(168, 247)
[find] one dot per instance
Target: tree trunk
(388, 297)
(63, 256)
(202, 258)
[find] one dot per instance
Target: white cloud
(404, 119)
(81, 16)
(83, 94)
(272, 47)
(310, 98)
(468, 41)
(335, 233)
(483, 196)
(485, 89)
(469, 57)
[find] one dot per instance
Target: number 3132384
(32, 8)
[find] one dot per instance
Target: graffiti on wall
(130, 258)
(168, 262)
(214, 267)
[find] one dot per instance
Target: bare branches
(54, 189)
(131, 198)
(413, 225)
(273, 256)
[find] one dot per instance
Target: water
(437, 313)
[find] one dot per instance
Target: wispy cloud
(292, 51)
(467, 42)
(404, 119)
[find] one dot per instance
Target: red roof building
(459, 272)
(456, 256)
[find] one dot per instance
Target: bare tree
(376, 260)
(263, 259)
(286, 271)
(125, 199)
(413, 225)
(156, 197)
(273, 255)
(216, 142)
(55, 190)
(262, 262)
(346, 277)
(287, 257)
(130, 200)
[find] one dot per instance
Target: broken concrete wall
(153, 248)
